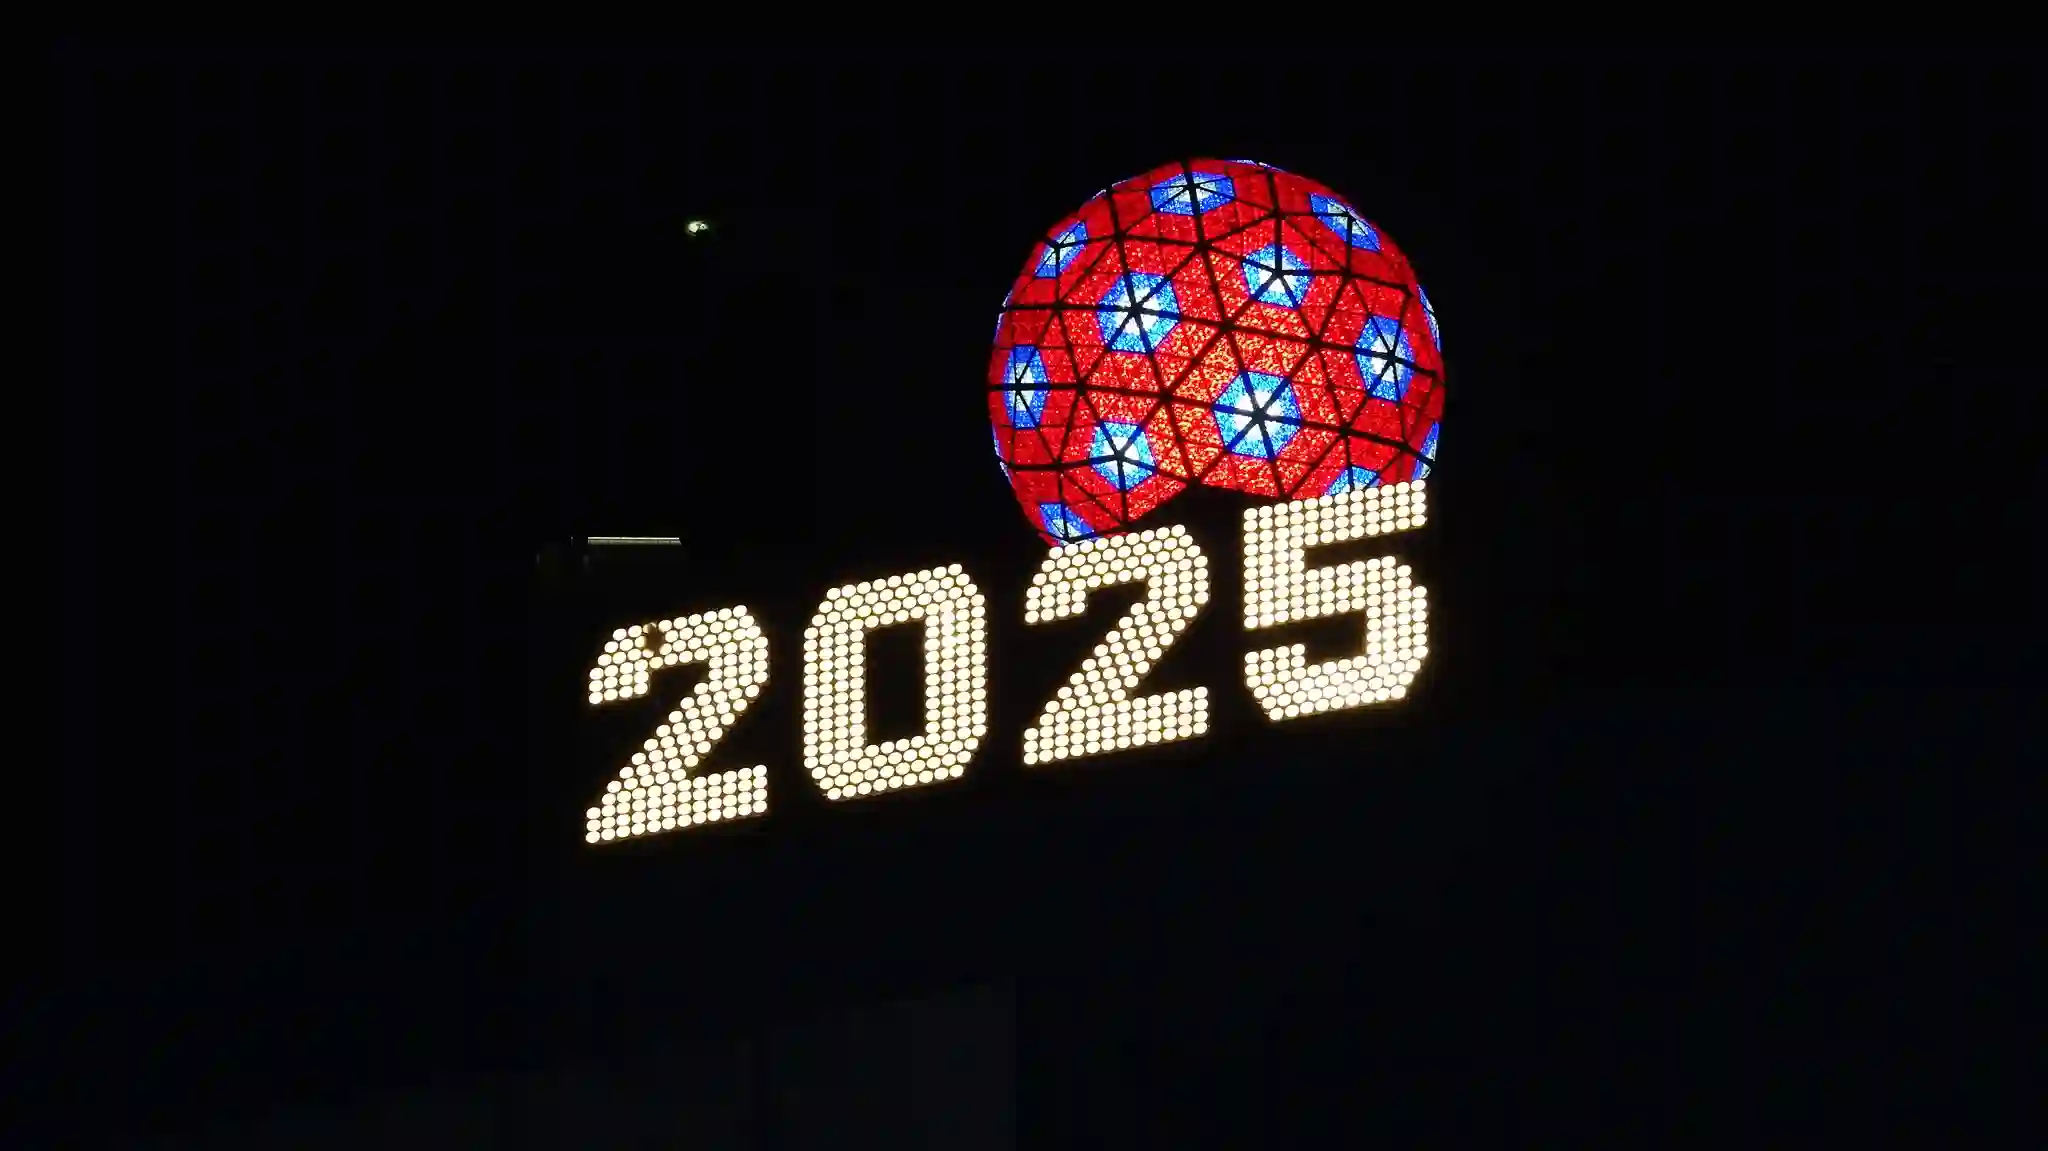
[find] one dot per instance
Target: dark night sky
(1702, 802)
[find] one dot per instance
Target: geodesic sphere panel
(1215, 322)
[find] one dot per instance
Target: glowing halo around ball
(1215, 322)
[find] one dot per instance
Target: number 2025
(668, 785)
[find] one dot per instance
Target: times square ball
(1216, 322)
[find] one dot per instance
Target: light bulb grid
(654, 792)
(836, 748)
(1280, 588)
(1094, 712)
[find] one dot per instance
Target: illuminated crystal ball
(1214, 322)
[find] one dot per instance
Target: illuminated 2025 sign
(673, 781)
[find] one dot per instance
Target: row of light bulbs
(667, 804)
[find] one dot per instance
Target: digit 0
(836, 748)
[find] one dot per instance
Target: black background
(1692, 821)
